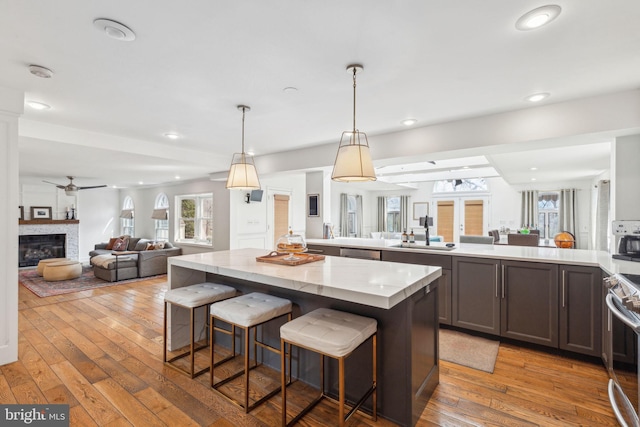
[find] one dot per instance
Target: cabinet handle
(502, 281)
(497, 275)
(563, 287)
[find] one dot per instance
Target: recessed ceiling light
(533, 168)
(115, 30)
(38, 105)
(533, 179)
(290, 89)
(409, 122)
(538, 17)
(140, 182)
(177, 176)
(250, 153)
(537, 97)
(40, 71)
(172, 135)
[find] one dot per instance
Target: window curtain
(382, 213)
(404, 212)
(359, 227)
(567, 212)
(529, 208)
(602, 216)
(344, 215)
(161, 214)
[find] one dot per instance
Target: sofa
(141, 258)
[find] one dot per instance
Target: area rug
(467, 350)
(36, 284)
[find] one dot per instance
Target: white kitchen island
(401, 297)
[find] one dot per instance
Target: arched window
(127, 217)
(161, 217)
(465, 184)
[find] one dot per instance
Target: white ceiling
(192, 63)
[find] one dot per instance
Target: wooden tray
(279, 258)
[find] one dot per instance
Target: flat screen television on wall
(256, 195)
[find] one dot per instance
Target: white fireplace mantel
(68, 227)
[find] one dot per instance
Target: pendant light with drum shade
(353, 161)
(242, 173)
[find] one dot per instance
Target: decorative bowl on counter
(292, 244)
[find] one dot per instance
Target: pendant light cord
(354, 101)
(243, 109)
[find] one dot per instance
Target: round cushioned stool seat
(198, 295)
(63, 270)
(251, 309)
(43, 263)
(334, 333)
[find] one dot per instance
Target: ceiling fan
(71, 189)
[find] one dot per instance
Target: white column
(11, 106)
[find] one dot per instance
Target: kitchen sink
(439, 247)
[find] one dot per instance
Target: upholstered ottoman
(63, 270)
(43, 263)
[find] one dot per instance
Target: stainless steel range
(621, 346)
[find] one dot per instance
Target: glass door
(455, 216)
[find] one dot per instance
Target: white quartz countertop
(374, 283)
(584, 257)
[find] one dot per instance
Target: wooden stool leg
(212, 340)
(164, 334)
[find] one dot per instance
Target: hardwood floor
(101, 352)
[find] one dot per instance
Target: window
(352, 217)
(470, 184)
(393, 214)
(548, 214)
(161, 225)
(127, 218)
(194, 218)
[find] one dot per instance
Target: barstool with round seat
(335, 334)
(246, 312)
(193, 297)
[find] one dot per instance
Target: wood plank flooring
(101, 352)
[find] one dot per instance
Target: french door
(456, 216)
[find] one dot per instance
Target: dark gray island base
(407, 344)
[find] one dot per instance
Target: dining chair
(523, 239)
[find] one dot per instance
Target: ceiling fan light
(71, 193)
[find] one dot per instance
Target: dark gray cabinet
(513, 299)
(475, 294)
(529, 302)
(444, 285)
(581, 309)
(324, 250)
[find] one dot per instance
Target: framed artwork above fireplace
(40, 212)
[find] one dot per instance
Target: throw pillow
(150, 246)
(141, 245)
(159, 245)
(120, 245)
(111, 242)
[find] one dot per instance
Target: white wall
(11, 104)
(250, 223)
